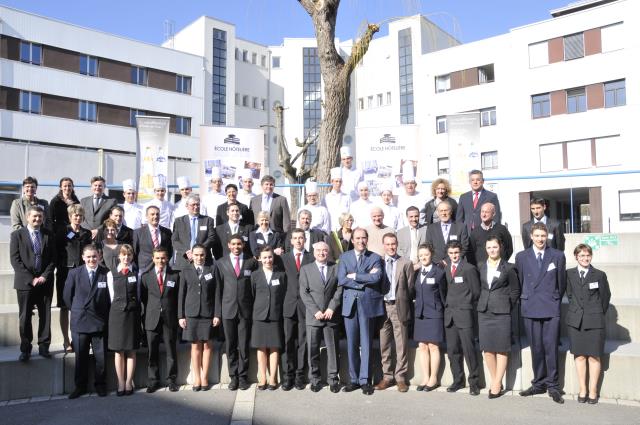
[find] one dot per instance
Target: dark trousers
(295, 347)
(359, 337)
(81, 343)
(543, 336)
(237, 335)
(40, 297)
(169, 336)
(330, 334)
(61, 277)
(460, 345)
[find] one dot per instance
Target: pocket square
(551, 267)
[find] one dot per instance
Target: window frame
(87, 111)
(183, 84)
(31, 99)
(615, 92)
(86, 69)
(535, 102)
(489, 156)
(136, 72)
(30, 49)
(492, 116)
(183, 125)
(576, 100)
(442, 171)
(443, 78)
(441, 124)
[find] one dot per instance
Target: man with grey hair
(312, 236)
(376, 230)
(193, 228)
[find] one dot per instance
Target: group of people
(437, 274)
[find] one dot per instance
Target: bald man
(488, 227)
(376, 230)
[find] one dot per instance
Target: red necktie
(125, 271)
(475, 200)
(298, 261)
(160, 282)
(237, 267)
(154, 238)
(453, 270)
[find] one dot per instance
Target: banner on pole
(152, 153)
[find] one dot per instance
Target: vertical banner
(152, 153)
(230, 150)
(382, 154)
(464, 149)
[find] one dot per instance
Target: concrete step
(10, 331)
(7, 293)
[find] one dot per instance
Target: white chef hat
(246, 174)
(128, 184)
(336, 173)
(345, 152)
(362, 185)
(386, 187)
(216, 173)
(159, 182)
(311, 187)
(183, 182)
(408, 175)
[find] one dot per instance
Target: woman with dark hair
(440, 190)
(109, 245)
(58, 206)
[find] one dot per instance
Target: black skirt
(494, 331)
(586, 342)
(428, 330)
(267, 333)
(198, 329)
(124, 329)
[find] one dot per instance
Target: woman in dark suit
(59, 204)
(124, 318)
(70, 240)
(428, 330)
(268, 287)
(500, 290)
(264, 236)
(589, 296)
(440, 190)
(196, 302)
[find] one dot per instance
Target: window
(254, 58)
(538, 54)
(255, 103)
(405, 61)
(183, 125)
(369, 102)
(132, 116)
(30, 102)
(237, 99)
(263, 104)
(139, 75)
(612, 37)
(87, 111)
(311, 99)
(443, 83)
(614, 94)
(183, 84)
(275, 62)
(31, 53)
(238, 55)
(629, 204)
(489, 160)
(551, 157)
(245, 56)
(388, 98)
(579, 154)
(88, 65)
(360, 103)
(245, 100)
(443, 166)
(263, 61)
(540, 105)
(573, 46)
(441, 124)
(379, 99)
(576, 100)
(485, 74)
(219, 78)
(487, 117)
(609, 151)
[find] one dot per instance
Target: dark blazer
(89, 303)
(467, 214)
(318, 296)
(463, 291)
(478, 239)
(430, 297)
(196, 297)
(181, 238)
(292, 301)
(58, 211)
(279, 215)
(69, 246)
(588, 302)
(315, 235)
(246, 216)
(274, 240)
(23, 258)
(430, 209)
(268, 297)
(158, 305)
(93, 219)
(555, 238)
(542, 288)
(18, 213)
(367, 287)
(404, 288)
(504, 292)
(457, 231)
(223, 234)
(125, 235)
(233, 294)
(143, 246)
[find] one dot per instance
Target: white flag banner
(152, 154)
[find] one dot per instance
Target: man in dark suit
(124, 234)
(360, 273)
(395, 325)
(188, 230)
(234, 304)
(311, 236)
(470, 202)
(479, 235)
(542, 271)
(440, 234)
(322, 297)
(148, 237)
(295, 338)
(32, 253)
(159, 288)
(228, 229)
(463, 290)
(555, 237)
(246, 216)
(278, 207)
(97, 206)
(411, 237)
(87, 295)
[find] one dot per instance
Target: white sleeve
(110, 284)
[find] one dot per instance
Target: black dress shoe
(271, 387)
(44, 352)
(582, 399)
(24, 357)
(350, 387)
(556, 396)
(101, 391)
(287, 386)
(592, 400)
(196, 388)
(421, 387)
(316, 387)
(431, 388)
(300, 384)
(455, 387)
(262, 387)
(367, 389)
(120, 393)
(334, 388)
(244, 385)
(233, 384)
(492, 395)
(128, 392)
(532, 391)
(474, 390)
(153, 388)
(173, 387)
(205, 387)
(77, 393)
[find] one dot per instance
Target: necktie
(125, 271)
(445, 231)
(92, 275)
(160, 281)
(324, 279)
(194, 230)
(234, 229)
(581, 277)
(37, 249)
(475, 200)
(453, 270)
(389, 271)
(154, 238)
(96, 203)
(237, 267)
(298, 261)
(199, 270)
(424, 275)
(540, 260)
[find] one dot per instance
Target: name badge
(208, 276)
(260, 241)
(102, 284)
(244, 238)
(247, 273)
(132, 279)
(458, 279)
(497, 274)
(453, 237)
(171, 284)
(430, 281)
(550, 236)
(70, 235)
(275, 282)
(203, 227)
(593, 285)
(551, 267)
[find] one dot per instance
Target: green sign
(597, 241)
